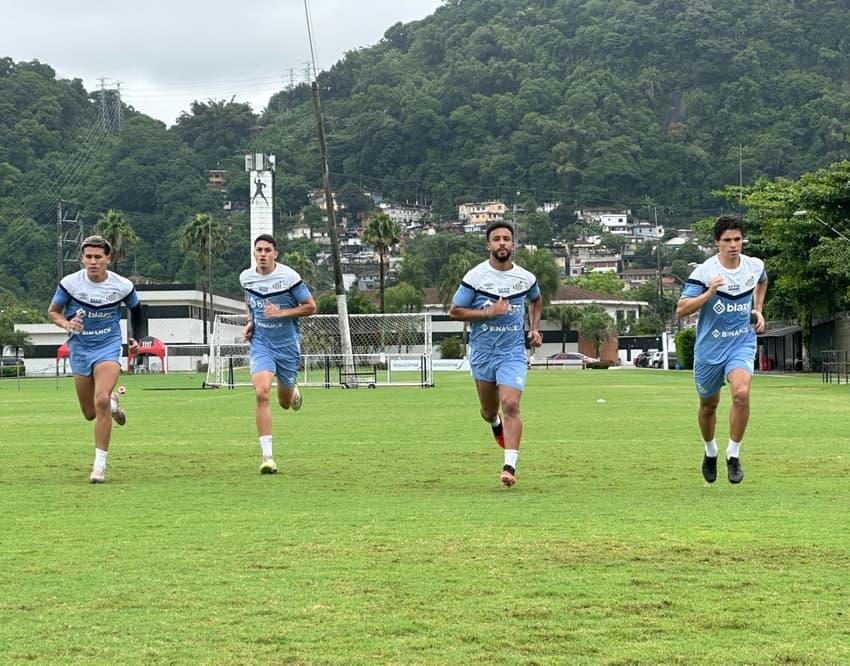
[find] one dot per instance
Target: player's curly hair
(499, 224)
(726, 223)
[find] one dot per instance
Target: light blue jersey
(724, 329)
(498, 344)
(99, 304)
(284, 288)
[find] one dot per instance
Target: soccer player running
(87, 304)
(275, 297)
(492, 296)
(728, 290)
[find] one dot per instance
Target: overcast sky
(167, 53)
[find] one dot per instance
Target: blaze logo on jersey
(719, 308)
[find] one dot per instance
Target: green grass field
(386, 538)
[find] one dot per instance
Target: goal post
(388, 350)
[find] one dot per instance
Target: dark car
(12, 367)
(641, 360)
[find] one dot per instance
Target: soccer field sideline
(386, 539)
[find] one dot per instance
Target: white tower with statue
(260, 168)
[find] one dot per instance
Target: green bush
(599, 365)
(685, 341)
(12, 371)
(452, 348)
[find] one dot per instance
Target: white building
(173, 313)
(409, 217)
(482, 213)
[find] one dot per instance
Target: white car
(657, 360)
(565, 360)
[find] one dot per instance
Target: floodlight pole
(805, 213)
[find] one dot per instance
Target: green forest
(586, 102)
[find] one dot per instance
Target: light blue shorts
(285, 368)
(83, 359)
(499, 370)
(710, 377)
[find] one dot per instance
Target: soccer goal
(388, 350)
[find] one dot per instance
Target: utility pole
(658, 258)
(119, 111)
(664, 345)
(103, 103)
(65, 238)
(60, 255)
(339, 285)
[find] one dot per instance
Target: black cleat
(709, 468)
(733, 469)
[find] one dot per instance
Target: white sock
(711, 448)
(733, 450)
(113, 402)
(510, 457)
(100, 458)
(496, 422)
(266, 445)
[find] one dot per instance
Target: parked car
(571, 358)
(642, 360)
(657, 360)
(12, 367)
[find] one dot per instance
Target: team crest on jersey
(278, 285)
(519, 285)
(751, 280)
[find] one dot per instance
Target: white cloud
(167, 54)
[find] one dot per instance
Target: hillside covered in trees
(592, 102)
(620, 102)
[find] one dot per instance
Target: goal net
(387, 350)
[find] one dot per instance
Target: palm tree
(204, 236)
(382, 233)
(452, 273)
(566, 315)
(121, 236)
(542, 264)
(404, 297)
(20, 342)
(301, 265)
(450, 276)
(598, 326)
